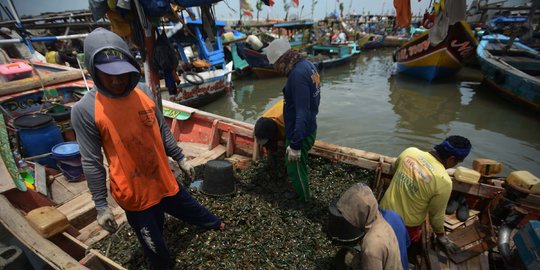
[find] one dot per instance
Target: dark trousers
(148, 224)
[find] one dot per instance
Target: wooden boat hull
(417, 58)
(259, 64)
(509, 81)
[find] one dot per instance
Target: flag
(295, 3)
(246, 8)
(269, 2)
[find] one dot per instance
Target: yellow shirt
(420, 187)
(276, 114)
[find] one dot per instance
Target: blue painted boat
(336, 55)
(513, 72)
(201, 87)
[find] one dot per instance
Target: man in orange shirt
(122, 118)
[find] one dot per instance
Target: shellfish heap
(269, 228)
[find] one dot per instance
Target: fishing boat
(203, 137)
(200, 86)
(371, 41)
(329, 56)
(512, 69)
(299, 31)
(418, 58)
(231, 40)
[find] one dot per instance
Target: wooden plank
(478, 190)
(215, 153)
(473, 251)
(239, 162)
(80, 211)
(94, 233)
(364, 159)
(40, 179)
(467, 235)
(107, 263)
(16, 224)
(451, 221)
(94, 259)
(63, 190)
(6, 181)
(34, 82)
(192, 150)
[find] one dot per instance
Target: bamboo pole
(34, 82)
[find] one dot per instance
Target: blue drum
(38, 134)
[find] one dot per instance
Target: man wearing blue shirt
(302, 98)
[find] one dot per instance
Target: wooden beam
(215, 153)
(94, 233)
(80, 210)
(364, 159)
(34, 82)
(15, 223)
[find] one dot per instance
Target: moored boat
(418, 58)
(512, 70)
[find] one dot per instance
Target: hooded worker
(379, 246)
(121, 117)
(301, 106)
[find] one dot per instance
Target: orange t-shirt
(140, 175)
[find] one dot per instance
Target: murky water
(365, 106)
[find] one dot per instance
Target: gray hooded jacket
(83, 115)
(379, 247)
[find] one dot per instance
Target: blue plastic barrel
(38, 134)
(68, 160)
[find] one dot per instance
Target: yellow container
(466, 175)
(487, 167)
(47, 220)
(524, 179)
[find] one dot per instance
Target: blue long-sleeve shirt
(302, 98)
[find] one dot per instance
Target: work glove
(293, 155)
(105, 219)
(187, 168)
(450, 246)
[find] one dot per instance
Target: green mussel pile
(268, 228)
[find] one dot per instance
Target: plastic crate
(527, 241)
(15, 71)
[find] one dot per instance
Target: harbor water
(365, 105)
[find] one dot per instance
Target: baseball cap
(276, 49)
(113, 62)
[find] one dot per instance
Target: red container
(15, 71)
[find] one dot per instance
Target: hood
(101, 39)
(358, 206)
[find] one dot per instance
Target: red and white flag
(246, 8)
(295, 3)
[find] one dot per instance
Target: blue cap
(113, 62)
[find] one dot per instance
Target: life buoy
(198, 78)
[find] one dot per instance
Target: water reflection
(364, 106)
(423, 107)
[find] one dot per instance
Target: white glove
(293, 155)
(450, 246)
(105, 219)
(187, 168)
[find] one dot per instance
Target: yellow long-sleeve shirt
(276, 114)
(420, 187)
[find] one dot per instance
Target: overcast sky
(33, 7)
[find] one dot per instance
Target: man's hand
(293, 155)
(450, 246)
(105, 219)
(187, 168)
